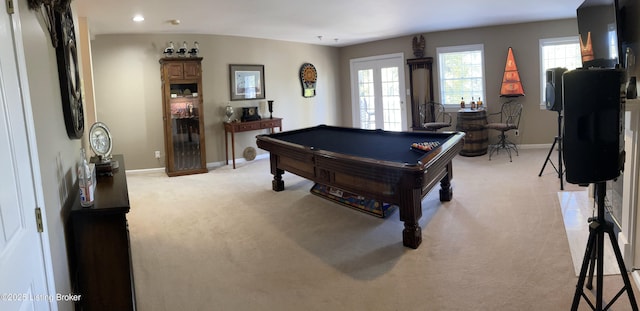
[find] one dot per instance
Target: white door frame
(355, 107)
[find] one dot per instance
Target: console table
(235, 127)
(100, 253)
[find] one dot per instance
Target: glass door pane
(391, 108)
(185, 126)
(366, 91)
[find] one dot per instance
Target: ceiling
(326, 22)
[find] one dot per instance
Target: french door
(377, 96)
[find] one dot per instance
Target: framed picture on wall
(246, 82)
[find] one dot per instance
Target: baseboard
(145, 170)
(534, 146)
(210, 165)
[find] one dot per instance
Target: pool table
(373, 163)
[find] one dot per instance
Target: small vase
(270, 103)
(228, 112)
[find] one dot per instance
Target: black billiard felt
(374, 144)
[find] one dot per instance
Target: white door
(377, 91)
(22, 270)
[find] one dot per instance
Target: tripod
(558, 140)
(594, 255)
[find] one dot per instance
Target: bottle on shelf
(86, 181)
(462, 103)
(479, 103)
(473, 104)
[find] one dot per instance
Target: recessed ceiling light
(174, 22)
(138, 18)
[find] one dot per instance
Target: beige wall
(128, 89)
(537, 126)
(128, 99)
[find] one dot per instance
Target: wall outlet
(157, 154)
(517, 132)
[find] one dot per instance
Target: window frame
(543, 75)
(456, 49)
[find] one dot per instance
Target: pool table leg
(410, 213)
(277, 183)
(446, 193)
(411, 235)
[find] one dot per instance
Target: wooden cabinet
(421, 86)
(99, 248)
(183, 69)
(183, 116)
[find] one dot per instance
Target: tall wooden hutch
(421, 87)
(183, 115)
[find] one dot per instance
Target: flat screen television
(599, 30)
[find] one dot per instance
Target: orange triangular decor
(511, 85)
(586, 50)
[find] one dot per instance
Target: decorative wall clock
(100, 140)
(69, 73)
(308, 78)
(102, 145)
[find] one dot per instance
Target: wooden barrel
(476, 140)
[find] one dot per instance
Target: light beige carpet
(225, 241)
